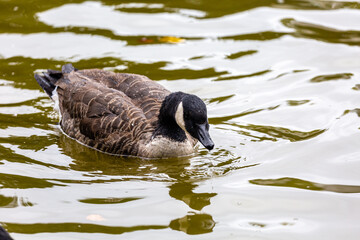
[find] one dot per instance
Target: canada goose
(126, 114)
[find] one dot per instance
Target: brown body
(126, 114)
(112, 112)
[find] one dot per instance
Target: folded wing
(100, 116)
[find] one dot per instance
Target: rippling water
(281, 81)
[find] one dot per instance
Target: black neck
(167, 126)
(171, 131)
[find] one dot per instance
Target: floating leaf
(171, 39)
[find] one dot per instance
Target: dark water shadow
(75, 227)
(260, 36)
(288, 73)
(272, 133)
(307, 185)
(242, 76)
(33, 142)
(283, 133)
(11, 156)
(123, 168)
(20, 16)
(221, 120)
(356, 111)
(8, 202)
(13, 202)
(183, 191)
(213, 9)
(315, 5)
(241, 54)
(220, 99)
(297, 102)
(175, 171)
(22, 182)
(321, 33)
(332, 77)
(109, 200)
(356, 87)
(26, 120)
(191, 224)
(20, 71)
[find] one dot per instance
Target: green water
(281, 82)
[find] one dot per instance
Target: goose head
(189, 113)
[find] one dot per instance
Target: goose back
(144, 93)
(112, 112)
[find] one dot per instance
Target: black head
(191, 116)
(180, 113)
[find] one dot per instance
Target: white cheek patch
(55, 98)
(179, 116)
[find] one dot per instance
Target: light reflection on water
(280, 79)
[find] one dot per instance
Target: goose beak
(204, 137)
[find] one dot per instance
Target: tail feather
(53, 75)
(52, 79)
(45, 84)
(48, 79)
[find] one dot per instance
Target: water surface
(281, 82)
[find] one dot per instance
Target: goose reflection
(183, 191)
(194, 224)
(96, 163)
(173, 171)
(190, 224)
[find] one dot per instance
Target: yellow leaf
(170, 39)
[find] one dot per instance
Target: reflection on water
(183, 191)
(322, 33)
(174, 171)
(179, 170)
(280, 132)
(107, 200)
(190, 224)
(22, 182)
(331, 77)
(194, 224)
(13, 202)
(298, 183)
(281, 82)
(74, 227)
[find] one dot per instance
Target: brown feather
(112, 112)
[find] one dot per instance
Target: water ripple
(307, 185)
